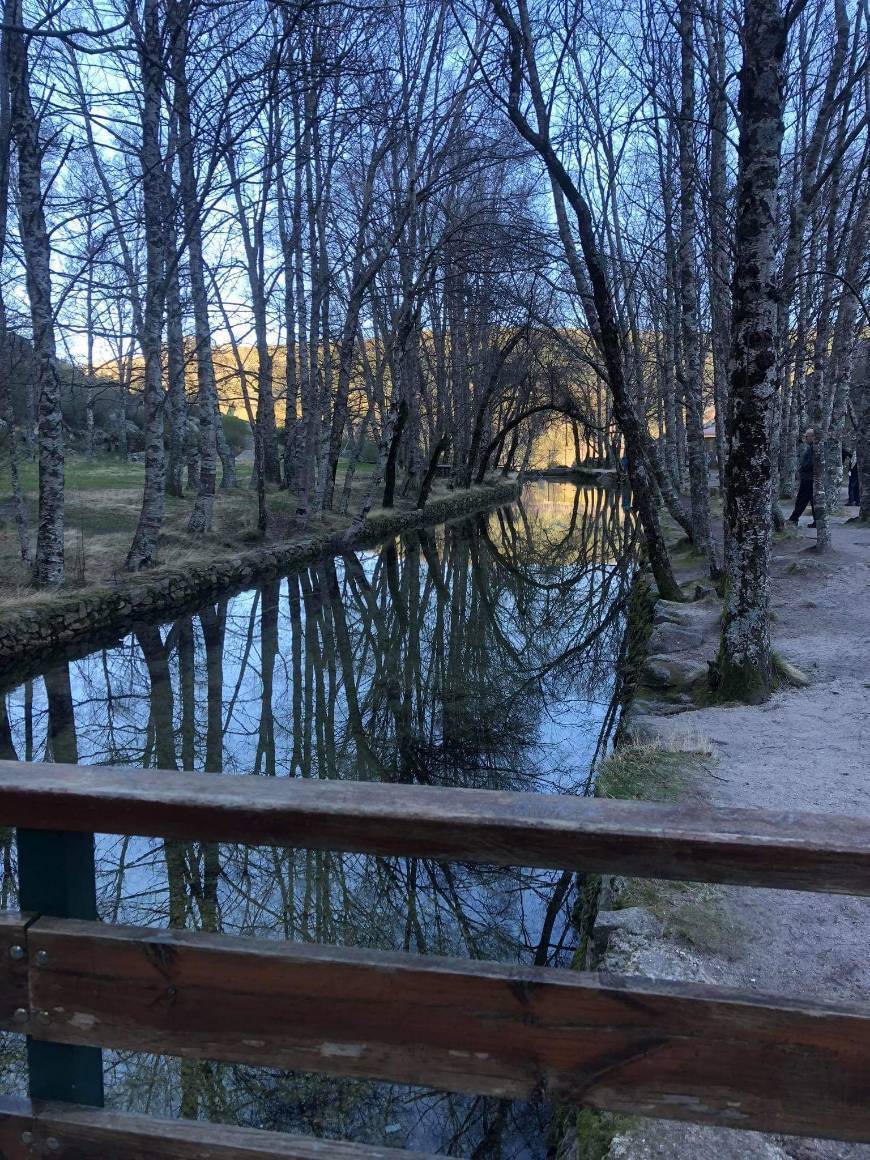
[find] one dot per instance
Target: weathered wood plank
(776, 848)
(13, 969)
(16, 1118)
(86, 1133)
(656, 1048)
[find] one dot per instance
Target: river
(480, 653)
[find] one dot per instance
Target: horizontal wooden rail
(775, 848)
(77, 1133)
(676, 1050)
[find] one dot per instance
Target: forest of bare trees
(423, 232)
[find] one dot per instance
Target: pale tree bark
(690, 364)
(91, 249)
(362, 274)
(818, 384)
(665, 457)
(48, 564)
(745, 662)
(854, 247)
(807, 187)
(7, 419)
(289, 211)
(354, 457)
(317, 192)
(717, 214)
(143, 550)
(861, 413)
(790, 410)
(389, 439)
(253, 225)
(255, 418)
(175, 368)
(7, 413)
(370, 374)
(209, 417)
(670, 440)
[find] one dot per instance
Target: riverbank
(809, 746)
(36, 624)
(602, 476)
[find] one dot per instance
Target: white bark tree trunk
(690, 363)
(861, 410)
(209, 418)
(745, 662)
(143, 550)
(48, 564)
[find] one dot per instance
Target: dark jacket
(806, 467)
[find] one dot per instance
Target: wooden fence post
(56, 878)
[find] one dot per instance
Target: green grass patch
(693, 912)
(649, 772)
(102, 473)
(590, 1132)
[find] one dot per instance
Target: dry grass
(647, 771)
(103, 499)
(692, 912)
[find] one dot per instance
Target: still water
(482, 653)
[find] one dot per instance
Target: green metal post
(56, 878)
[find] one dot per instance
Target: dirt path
(810, 748)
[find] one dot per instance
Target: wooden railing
(677, 1050)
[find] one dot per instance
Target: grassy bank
(103, 498)
(106, 601)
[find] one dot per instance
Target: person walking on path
(805, 485)
(854, 499)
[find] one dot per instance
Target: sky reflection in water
(480, 654)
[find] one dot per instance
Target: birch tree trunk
(843, 342)
(252, 225)
(693, 390)
(818, 392)
(7, 413)
(289, 224)
(177, 399)
(807, 190)
(717, 211)
(48, 564)
(143, 550)
(745, 662)
(91, 250)
(203, 508)
(861, 411)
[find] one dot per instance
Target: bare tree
(524, 72)
(48, 563)
(746, 668)
(143, 550)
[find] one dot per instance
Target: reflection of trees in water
(441, 660)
